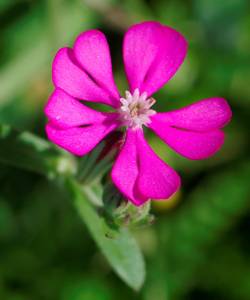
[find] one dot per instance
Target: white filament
(135, 109)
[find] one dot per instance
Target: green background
(199, 245)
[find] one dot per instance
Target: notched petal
(65, 111)
(156, 179)
(68, 75)
(79, 140)
(125, 169)
(91, 50)
(152, 54)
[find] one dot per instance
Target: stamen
(135, 109)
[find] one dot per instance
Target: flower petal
(70, 77)
(156, 179)
(79, 140)
(92, 52)
(65, 111)
(152, 54)
(191, 144)
(125, 169)
(201, 116)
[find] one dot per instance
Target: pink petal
(70, 77)
(92, 52)
(152, 54)
(125, 169)
(65, 111)
(191, 144)
(156, 179)
(204, 115)
(79, 140)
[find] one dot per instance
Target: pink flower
(152, 54)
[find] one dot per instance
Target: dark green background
(199, 247)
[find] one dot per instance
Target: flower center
(135, 109)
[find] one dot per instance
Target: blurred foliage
(198, 247)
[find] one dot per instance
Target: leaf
(27, 151)
(119, 247)
(30, 152)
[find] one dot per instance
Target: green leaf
(27, 151)
(119, 247)
(30, 152)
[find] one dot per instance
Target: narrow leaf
(30, 152)
(119, 247)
